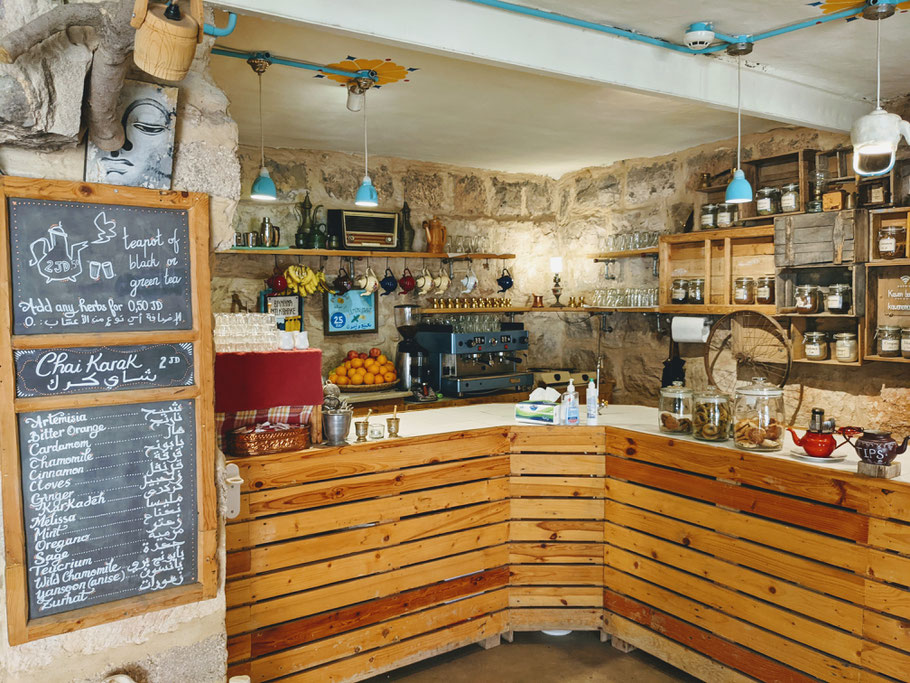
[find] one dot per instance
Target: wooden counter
(346, 562)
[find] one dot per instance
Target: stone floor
(537, 658)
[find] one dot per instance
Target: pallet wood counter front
(347, 562)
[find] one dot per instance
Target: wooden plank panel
(328, 624)
(304, 577)
(556, 596)
(557, 487)
(321, 547)
(843, 615)
(305, 496)
(295, 525)
(782, 622)
(894, 536)
(886, 661)
(718, 649)
(555, 575)
(286, 469)
(267, 613)
(238, 648)
(578, 531)
(834, 521)
(888, 630)
(546, 439)
(887, 598)
(556, 553)
(378, 635)
(563, 508)
(547, 618)
(564, 464)
(714, 621)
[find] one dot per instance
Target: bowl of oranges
(360, 371)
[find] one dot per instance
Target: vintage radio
(364, 229)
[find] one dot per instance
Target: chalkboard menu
(48, 372)
(81, 267)
(110, 502)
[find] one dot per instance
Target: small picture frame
(354, 312)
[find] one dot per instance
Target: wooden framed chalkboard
(106, 403)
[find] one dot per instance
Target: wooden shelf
(829, 361)
(352, 253)
(886, 360)
(713, 309)
(785, 314)
(628, 253)
(720, 234)
(530, 309)
(772, 216)
(892, 262)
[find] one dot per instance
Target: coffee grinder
(411, 360)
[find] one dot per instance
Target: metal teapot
(306, 215)
(819, 440)
(877, 447)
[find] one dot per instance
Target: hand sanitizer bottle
(591, 401)
(570, 401)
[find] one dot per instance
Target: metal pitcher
(269, 235)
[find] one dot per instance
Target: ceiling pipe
(296, 63)
(212, 30)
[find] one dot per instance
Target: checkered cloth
(293, 415)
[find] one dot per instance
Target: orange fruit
(341, 371)
(342, 381)
(389, 367)
(333, 378)
(357, 363)
(357, 379)
(381, 359)
(379, 379)
(347, 364)
(389, 377)
(368, 378)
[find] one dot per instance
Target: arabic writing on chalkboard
(47, 372)
(110, 501)
(80, 267)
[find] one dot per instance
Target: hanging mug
(406, 282)
(389, 284)
(504, 281)
(343, 282)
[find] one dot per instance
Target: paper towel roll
(690, 329)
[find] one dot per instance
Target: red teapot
(819, 441)
(878, 447)
(406, 282)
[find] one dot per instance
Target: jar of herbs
(726, 215)
(838, 299)
(815, 345)
(892, 241)
(789, 197)
(807, 299)
(764, 290)
(744, 291)
(905, 342)
(889, 341)
(708, 216)
(846, 349)
(679, 291)
(696, 293)
(767, 201)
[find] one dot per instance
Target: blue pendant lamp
(739, 191)
(263, 189)
(366, 194)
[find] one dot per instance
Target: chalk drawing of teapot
(56, 259)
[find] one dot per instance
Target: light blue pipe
(212, 30)
(296, 63)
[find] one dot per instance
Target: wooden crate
(833, 237)
(719, 256)
(887, 303)
(788, 278)
(830, 326)
(883, 217)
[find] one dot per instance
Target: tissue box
(537, 412)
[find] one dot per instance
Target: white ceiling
(470, 113)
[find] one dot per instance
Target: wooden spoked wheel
(743, 345)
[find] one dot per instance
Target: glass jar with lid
(846, 348)
(712, 417)
(726, 215)
(709, 216)
(767, 201)
(892, 241)
(764, 290)
(807, 299)
(675, 409)
(789, 197)
(889, 341)
(696, 293)
(905, 342)
(815, 345)
(679, 290)
(744, 290)
(838, 298)
(758, 416)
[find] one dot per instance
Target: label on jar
(741, 294)
(788, 202)
(707, 220)
(764, 204)
(887, 245)
(835, 301)
(905, 344)
(813, 350)
(763, 292)
(678, 293)
(844, 350)
(877, 195)
(890, 345)
(724, 219)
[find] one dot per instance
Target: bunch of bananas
(304, 281)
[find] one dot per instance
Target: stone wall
(185, 643)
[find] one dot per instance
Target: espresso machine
(411, 358)
(471, 363)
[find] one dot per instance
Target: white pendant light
(739, 191)
(263, 189)
(366, 194)
(876, 135)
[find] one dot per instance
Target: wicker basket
(368, 387)
(245, 441)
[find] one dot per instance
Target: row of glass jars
(718, 216)
(893, 341)
(756, 421)
(812, 299)
(816, 347)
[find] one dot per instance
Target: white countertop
(634, 418)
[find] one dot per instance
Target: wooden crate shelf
(899, 216)
(788, 279)
(354, 253)
(831, 326)
(886, 293)
(819, 239)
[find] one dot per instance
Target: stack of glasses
(628, 241)
(245, 332)
(625, 297)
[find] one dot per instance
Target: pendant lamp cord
(366, 156)
(261, 137)
(878, 64)
(739, 110)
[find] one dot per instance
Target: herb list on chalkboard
(79, 267)
(110, 502)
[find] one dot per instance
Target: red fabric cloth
(259, 381)
(292, 415)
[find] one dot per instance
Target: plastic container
(712, 418)
(675, 409)
(592, 399)
(570, 404)
(758, 416)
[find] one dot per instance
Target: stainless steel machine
(466, 363)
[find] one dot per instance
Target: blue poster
(351, 313)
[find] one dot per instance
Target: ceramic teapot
(469, 281)
(343, 283)
(388, 283)
(877, 447)
(406, 282)
(436, 235)
(370, 283)
(504, 281)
